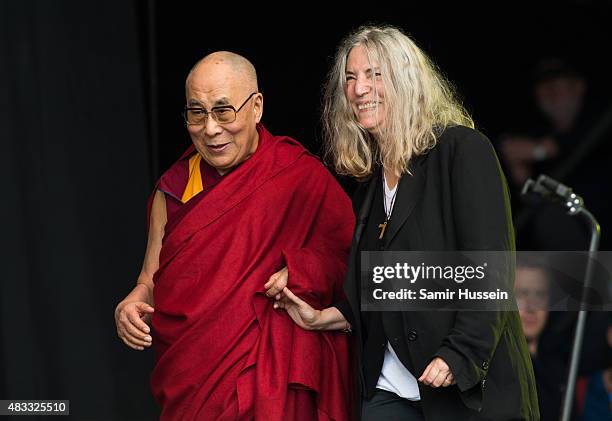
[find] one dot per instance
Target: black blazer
(455, 199)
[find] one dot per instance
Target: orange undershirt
(194, 184)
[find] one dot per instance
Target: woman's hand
(437, 374)
(309, 318)
(299, 310)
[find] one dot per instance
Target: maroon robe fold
(223, 352)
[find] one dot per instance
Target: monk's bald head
(233, 65)
(223, 108)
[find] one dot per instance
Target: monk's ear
(258, 106)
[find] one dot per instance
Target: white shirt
(394, 376)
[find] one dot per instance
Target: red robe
(223, 352)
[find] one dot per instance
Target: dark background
(91, 95)
(487, 54)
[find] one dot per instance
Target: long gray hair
(419, 104)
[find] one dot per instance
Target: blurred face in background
(560, 99)
(532, 297)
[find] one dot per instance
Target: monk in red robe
(239, 206)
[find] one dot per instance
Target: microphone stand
(557, 192)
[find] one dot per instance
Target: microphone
(555, 191)
(553, 185)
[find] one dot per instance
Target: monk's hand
(299, 310)
(132, 318)
(277, 282)
(437, 374)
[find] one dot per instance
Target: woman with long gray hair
(430, 182)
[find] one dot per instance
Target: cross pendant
(382, 229)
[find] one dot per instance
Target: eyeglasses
(223, 114)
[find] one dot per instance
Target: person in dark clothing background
(569, 139)
(554, 145)
(533, 295)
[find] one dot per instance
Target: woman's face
(364, 89)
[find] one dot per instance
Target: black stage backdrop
(90, 100)
(75, 174)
